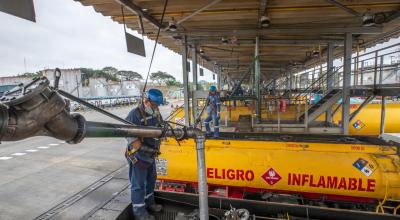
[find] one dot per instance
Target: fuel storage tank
(98, 87)
(130, 88)
(336, 168)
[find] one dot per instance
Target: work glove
(149, 151)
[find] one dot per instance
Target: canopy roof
(297, 28)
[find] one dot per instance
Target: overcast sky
(69, 35)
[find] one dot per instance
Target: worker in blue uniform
(213, 109)
(141, 154)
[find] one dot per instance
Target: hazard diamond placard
(271, 176)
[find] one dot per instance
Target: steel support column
(220, 81)
(329, 78)
(286, 91)
(201, 175)
(218, 72)
(185, 82)
(257, 79)
(346, 83)
(383, 104)
(273, 86)
(291, 85)
(383, 113)
(195, 81)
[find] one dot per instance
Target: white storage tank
(98, 87)
(86, 91)
(114, 89)
(129, 88)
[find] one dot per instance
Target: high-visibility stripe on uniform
(133, 150)
(148, 195)
(147, 118)
(138, 205)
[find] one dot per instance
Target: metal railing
(378, 67)
(321, 82)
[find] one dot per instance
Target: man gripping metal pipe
(141, 154)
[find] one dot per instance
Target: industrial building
(70, 81)
(7, 83)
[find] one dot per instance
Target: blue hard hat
(156, 96)
(212, 88)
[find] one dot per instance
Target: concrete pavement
(40, 172)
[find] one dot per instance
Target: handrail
(310, 87)
(248, 71)
(381, 49)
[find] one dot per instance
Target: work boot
(155, 208)
(145, 216)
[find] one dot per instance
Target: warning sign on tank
(161, 167)
(358, 125)
(271, 176)
(364, 166)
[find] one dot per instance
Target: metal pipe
(198, 11)
(87, 104)
(346, 83)
(195, 81)
(185, 81)
(329, 79)
(306, 113)
(99, 129)
(383, 112)
(201, 173)
(344, 8)
(363, 104)
(375, 69)
(132, 7)
(381, 70)
(219, 72)
(278, 107)
(257, 79)
(362, 73)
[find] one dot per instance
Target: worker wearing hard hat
(213, 110)
(141, 154)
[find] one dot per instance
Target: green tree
(110, 70)
(130, 75)
(37, 74)
(174, 83)
(204, 85)
(92, 73)
(161, 77)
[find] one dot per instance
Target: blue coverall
(142, 174)
(213, 110)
